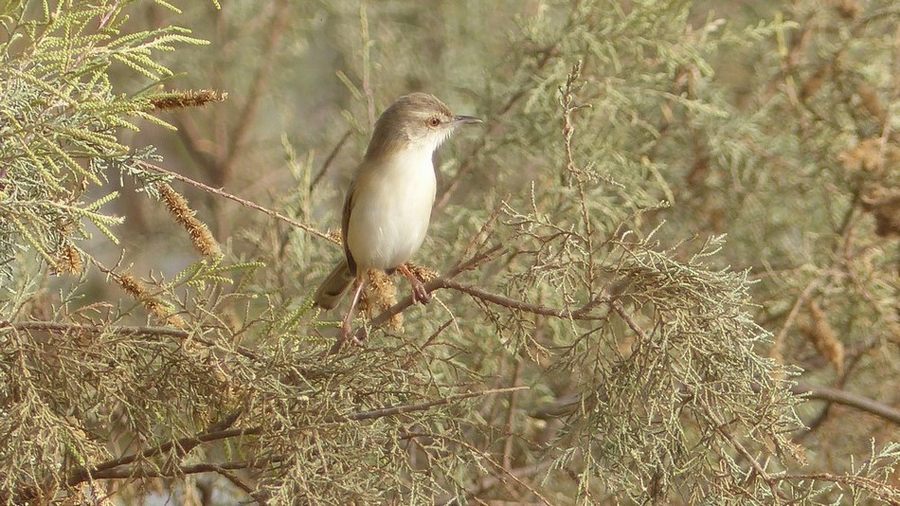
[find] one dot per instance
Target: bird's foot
(419, 293)
(348, 336)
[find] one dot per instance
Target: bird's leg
(348, 318)
(419, 293)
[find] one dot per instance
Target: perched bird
(388, 205)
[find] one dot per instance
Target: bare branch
(329, 159)
(396, 410)
(243, 202)
(848, 399)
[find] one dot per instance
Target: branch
(329, 159)
(408, 408)
(220, 430)
(564, 406)
(216, 432)
(223, 469)
(859, 402)
(582, 313)
(189, 136)
(490, 482)
(243, 202)
(60, 328)
(123, 330)
(883, 491)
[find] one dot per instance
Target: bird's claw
(419, 293)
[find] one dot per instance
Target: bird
(387, 208)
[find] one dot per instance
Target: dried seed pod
(823, 337)
(884, 205)
(381, 293)
(189, 98)
(201, 237)
(153, 305)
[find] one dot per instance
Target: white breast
(391, 208)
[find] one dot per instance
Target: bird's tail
(332, 289)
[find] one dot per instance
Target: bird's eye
(433, 122)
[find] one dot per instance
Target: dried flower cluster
(153, 304)
(201, 237)
(189, 98)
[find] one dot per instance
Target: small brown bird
(388, 205)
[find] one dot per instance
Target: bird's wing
(345, 226)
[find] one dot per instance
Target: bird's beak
(466, 120)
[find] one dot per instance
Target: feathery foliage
(673, 226)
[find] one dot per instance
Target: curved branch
(565, 405)
(582, 313)
(220, 430)
(852, 400)
(223, 469)
(123, 330)
(216, 432)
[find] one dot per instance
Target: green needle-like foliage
(60, 119)
(664, 271)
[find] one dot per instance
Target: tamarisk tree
(657, 277)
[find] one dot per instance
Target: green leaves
(61, 115)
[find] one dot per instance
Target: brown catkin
(865, 156)
(883, 204)
(380, 295)
(137, 290)
(871, 103)
(423, 273)
(68, 260)
(201, 237)
(848, 9)
(822, 336)
(189, 98)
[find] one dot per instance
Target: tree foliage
(665, 270)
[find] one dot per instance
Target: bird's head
(416, 121)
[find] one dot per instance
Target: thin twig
(90, 329)
(190, 138)
(122, 330)
(884, 491)
(778, 342)
(223, 469)
(239, 200)
(330, 159)
(565, 405)
(396, 410)
(490, 482)
(215, 432)
(219, 431)
(582, 313)
(367, 63)
(510, 416)
(848, 399)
